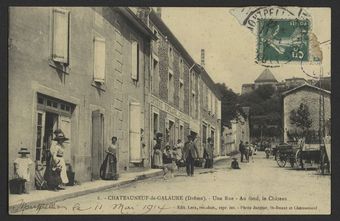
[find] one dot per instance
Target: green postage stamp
(282, 40)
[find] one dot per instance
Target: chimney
(202, 57)
(159, 12)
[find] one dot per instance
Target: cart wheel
(298, 159)
(281, 159)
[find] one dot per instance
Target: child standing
(22, 167)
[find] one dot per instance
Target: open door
(65, 126)
(97, 150)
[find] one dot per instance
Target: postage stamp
(282, 40)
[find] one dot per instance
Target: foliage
(228, 103)
(265, 109)
(301, 117)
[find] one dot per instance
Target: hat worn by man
(24, 150)
(59, 135)
(159, 134)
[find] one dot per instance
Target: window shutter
(135, 125)
(99, 59)
(60, 35)
(134, 60)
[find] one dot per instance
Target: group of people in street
(181, 154)
(54, 175)
(247, 151)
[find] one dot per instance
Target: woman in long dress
(55, 173)
(158, 154)
(108, 169)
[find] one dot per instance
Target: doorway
(97, 147)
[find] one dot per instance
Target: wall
(31, 71)
(310, 97)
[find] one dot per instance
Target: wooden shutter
(135, 151)
(97, 150)
(134, 60)
(60, 35)
(65, 126)
(99, 60)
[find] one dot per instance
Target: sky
(230, 48)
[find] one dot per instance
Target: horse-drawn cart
(302, 156)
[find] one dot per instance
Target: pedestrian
(55, 173)
(22, 168)
(234, 164)
(251, 152)
(157, 154)
(178, 153)
(169, 164)
(241, 149)
(108, 169)
(247, 151)
(190, 154)
(142, 144)
(208, 153)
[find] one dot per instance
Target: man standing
(241, 149)
(190, 153)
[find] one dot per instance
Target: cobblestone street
(259, 187)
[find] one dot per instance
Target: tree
(228, 103)
(301, 117)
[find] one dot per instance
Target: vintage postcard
(149, 110)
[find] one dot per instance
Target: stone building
(83, 70)
(312, 97)
(183, 99)
(265, 78)
(239, 130)
(294, 82)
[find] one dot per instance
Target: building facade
(183, 99)
(318, 102)
(238, 130)
(82, 70)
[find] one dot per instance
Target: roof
(137, 22)
(209, 82)
(162, 27)
(304, 86)
(294, 78)
(266, 76)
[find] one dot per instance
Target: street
(259, 187)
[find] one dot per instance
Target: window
(193, 105)
(156, 42)
(204, 134)
(181, 95)
(171, 57)
(181, 68)
(135, 60)
(171, 87)
(155, 76)
(99, 60)
(155, 124)
(181, 132)
(60, 35)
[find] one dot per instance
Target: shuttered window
(99, 60)
(135, 60)
(60, 43)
